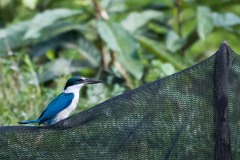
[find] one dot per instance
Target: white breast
(66, 112)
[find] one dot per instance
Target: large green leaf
(61, 66)
(52, 43)
(71, 40)
(205, 21)
(123, 44)
(136, 20)
(173, 41)
(12, 36)
(42, 20)
(226, 20)
(159, 50)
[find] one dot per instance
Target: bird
(62, 105)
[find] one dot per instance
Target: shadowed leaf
(121, 42)
(61, 66)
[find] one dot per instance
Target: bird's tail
(30, 121)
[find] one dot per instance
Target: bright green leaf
(4, 3)
(205, 21)
(167, 69)
(173, 41)
(136, 20)
(31, 4)
(156, 28)
(158, 69)
(225, 20)
(50, 54)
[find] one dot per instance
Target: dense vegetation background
(126, 43)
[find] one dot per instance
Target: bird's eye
(79, 80)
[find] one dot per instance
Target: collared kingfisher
(60, 107)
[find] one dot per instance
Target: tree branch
(99, 11)
(179, 21)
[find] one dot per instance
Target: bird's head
(78, 82)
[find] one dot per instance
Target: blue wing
(58, 104)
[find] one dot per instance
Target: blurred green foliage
(124, 42)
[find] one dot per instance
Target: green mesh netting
(183, 116)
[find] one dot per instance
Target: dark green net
(171, 118)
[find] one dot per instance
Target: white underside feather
(66, 112)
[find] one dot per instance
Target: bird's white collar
(73, 89)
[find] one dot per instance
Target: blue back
(58, 104)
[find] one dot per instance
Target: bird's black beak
(92, 81)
